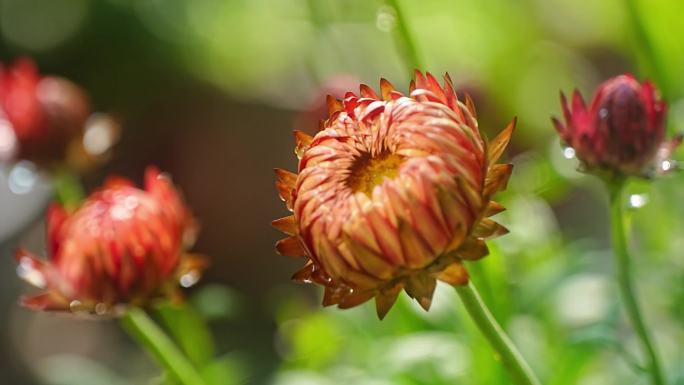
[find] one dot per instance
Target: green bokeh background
(210, 90)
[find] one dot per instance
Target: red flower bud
(122, 245)
(623, 129)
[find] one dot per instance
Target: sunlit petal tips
(392, 193)
(123, 245)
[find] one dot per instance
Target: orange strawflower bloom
(393, 192)
(123, 245)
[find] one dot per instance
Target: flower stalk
(625, 280)
(507, 353)
(144, 330)
(403, 38)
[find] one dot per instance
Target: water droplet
(638, 200)
(603, 113)
(101, 309)
(386, 19)
(569, 153)
(22, 178)
(76, 306)
(667, 165)
(190, 278)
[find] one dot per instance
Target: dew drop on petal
(638, 200)
(569, 153)
(666, 165)
(101, 309)
(76, 306)
(190, 278)
(603, 113)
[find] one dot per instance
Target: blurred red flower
(123, 245)
(44, 119)
(622, 132)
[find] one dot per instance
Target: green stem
(141, 327)
(623, 265)
(509, 355)
(403, 39)
(68, 188)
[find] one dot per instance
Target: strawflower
(394, 192)
(122, 246)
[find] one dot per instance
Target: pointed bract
(500, 142)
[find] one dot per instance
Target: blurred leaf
(68, 369)
(230, 369)
(315, 340)
(216, 302)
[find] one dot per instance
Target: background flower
(45, 119)
(622, 131)
(123, 245)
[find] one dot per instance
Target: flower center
(368, 171)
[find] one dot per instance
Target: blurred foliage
(549, 281)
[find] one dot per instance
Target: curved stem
(509, 355)
(148, 334)
(403, 39)
(623, 266)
